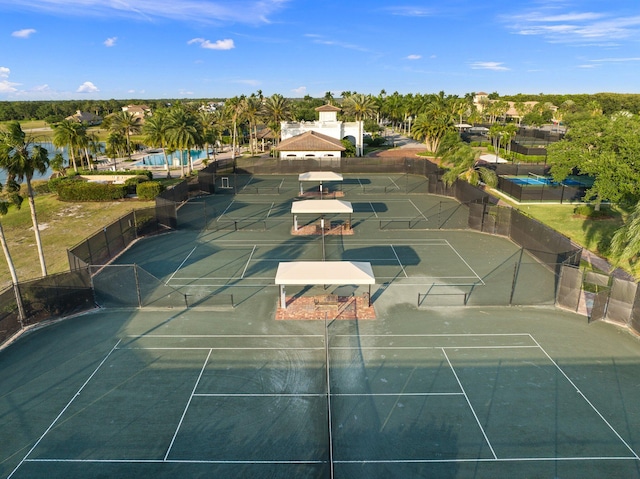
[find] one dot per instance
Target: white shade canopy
(321, 207)
(320, 176)
(324, 272)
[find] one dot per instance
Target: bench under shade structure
(308, 273)
(320, 207)
(318, 177)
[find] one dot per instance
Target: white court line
(419, 211)
(178, 268)
(225, 210)
(248, 261)
(281, 183)
(95, 371)
(355, 461)
(396, 255)
(470, 405)
(585, 398)
(244, 336)
(270, 208)
(463, 260)
(261, 395)
(373, 209)
(395, 184)
(208, 348)
(184, 413)
(250, 180)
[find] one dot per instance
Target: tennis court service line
(394, 183)
(270, 208)
(178, 268)
(373, 209)
(186, 408)
(399, 262)
(484, 434)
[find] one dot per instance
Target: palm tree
(251, 107)
(21, 158)
(183, 133)
(276, 110)
(625, 243)
(233, 110)
(361, 107)
(208, 121)
(116, 147)
(432, 125)
(126, 123)
(155, 130)
(461, 159)
(10, 197)
(70, 134)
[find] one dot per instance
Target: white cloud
(24, 33)
(495, 66)
(110, 42)
(573, 27)
(41, 88)
(87, 87)
(414, 57)
(207, 11)
(302, 90)
(407, 11)
(226, 44)
(5, 85)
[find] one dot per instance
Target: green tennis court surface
(479, 392)
(431, 388)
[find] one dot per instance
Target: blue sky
(101, 49)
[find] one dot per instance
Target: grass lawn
(62, 226)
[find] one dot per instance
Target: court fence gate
(600, 296)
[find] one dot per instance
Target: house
(138, 111)
(310, 144)
(327, 125)
(85, 117)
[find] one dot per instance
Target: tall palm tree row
(21, 158)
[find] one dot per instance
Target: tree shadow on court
(381, 255)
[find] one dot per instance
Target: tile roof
(328, 107)
(310, 141)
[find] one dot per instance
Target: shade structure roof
(492, 158)
(321, 207)
(320, 176)
(324, 272)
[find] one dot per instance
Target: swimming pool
(535, 180)
(157, 159)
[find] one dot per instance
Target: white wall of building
(334, 129)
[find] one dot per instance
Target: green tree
(69, 134)
(460, 160)
(22, 158)
(126, 123)
(9, 196)
(606, 149)
(155, 131)
(276, 110)
(625, 243)
(432, 126)
(116, 147)
(184, 133)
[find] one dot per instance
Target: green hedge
(83, 191)
(148, 190)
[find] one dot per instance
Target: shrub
(148, 190)
(84, 191)
(589, 211)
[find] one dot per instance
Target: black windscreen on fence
(546, 244)
(9, 318)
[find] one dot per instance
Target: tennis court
(443, 383)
